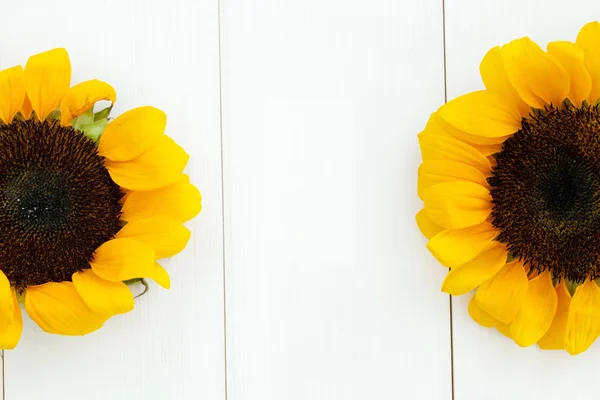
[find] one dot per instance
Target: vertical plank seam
(225, 381)
(449, 296)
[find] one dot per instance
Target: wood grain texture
(486, 364)
(330, 292)
(165, 54)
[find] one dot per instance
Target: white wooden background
(306, 277)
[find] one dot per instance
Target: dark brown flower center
(57, 202)
(546, 192)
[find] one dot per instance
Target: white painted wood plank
(161, 53)
(330, 293)
(486, 364)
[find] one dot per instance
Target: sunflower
(86, 203)
(510, 181)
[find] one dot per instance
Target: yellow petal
(180, 202)
(26, 109)
(554, 339)
(58, 308)
(122, 259)
(132, 133)
(436, 126)
(82, 97)
(6, 302)
(10, 335)
(161, 276)
(495, 79)
(457, 205)
(480, 316)
(589, 41)
(502, 295)
(102, 296)
(426, 226)
(47, 79)
(583, 322)
(454, 247)
(449, 149)
(467, 277)
(438, 171)
(158, 167)
(482, 143)
(538, 78)
(12, 92)
(483, 113)
(570, 56)
(504, 329)
(166, 237)
(488, 149)
(536, 312)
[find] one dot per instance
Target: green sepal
(511, 257)
(134, 281)
(54, 115)
(567, 103)
(571, 286)
(83, 120)
(102, 114)
(21, 296)
(95, 130)
(92, 125)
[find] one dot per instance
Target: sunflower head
(510, 181)
(87, 203)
